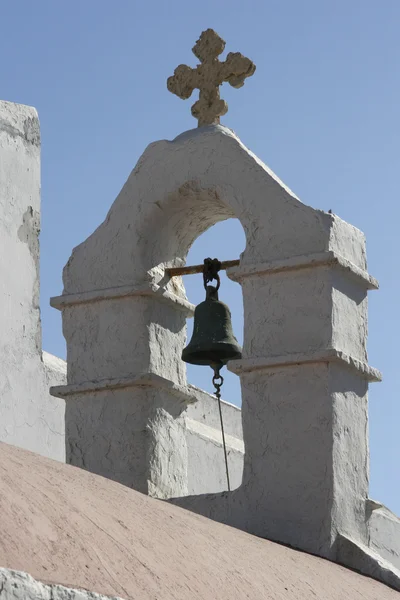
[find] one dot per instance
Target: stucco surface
(17, 585)
(63, 525)
(202, 177)
(29, 416)
(304, 373)
(130, 413)
(384, 532)
(206, 464)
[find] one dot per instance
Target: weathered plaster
(366, 560)
(304, 372)
(135, 436)
(206, 465)
(131, 415)
(29, 416)
(384, 532)
(17, 585)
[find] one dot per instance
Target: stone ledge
(104, 385)
(320, 356)
(365, 560)
(214, 435)
(384, 532)
(306, 261)
(205, 410)
(124, 291)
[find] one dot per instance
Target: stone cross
(208, 76)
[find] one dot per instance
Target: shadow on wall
(226, 241)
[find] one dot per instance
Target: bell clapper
(218, 380)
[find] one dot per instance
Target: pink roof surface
(64, 525)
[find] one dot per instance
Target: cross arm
(236, 68)
(183, 81)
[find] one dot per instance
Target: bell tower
(304, 370)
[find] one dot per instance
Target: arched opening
(225, 241)
(196, 222)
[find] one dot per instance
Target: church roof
(64, 525)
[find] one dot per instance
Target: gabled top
(180, 188)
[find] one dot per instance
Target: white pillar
(124, 405)
(304, 388)
(29, 417)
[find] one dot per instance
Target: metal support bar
(176, 271)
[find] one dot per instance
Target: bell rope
(218, 380)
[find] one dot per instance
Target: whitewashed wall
(29, 416)
(327, 383)
(206, 463)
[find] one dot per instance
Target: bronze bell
(213, 342)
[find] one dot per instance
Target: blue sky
(322, 110)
